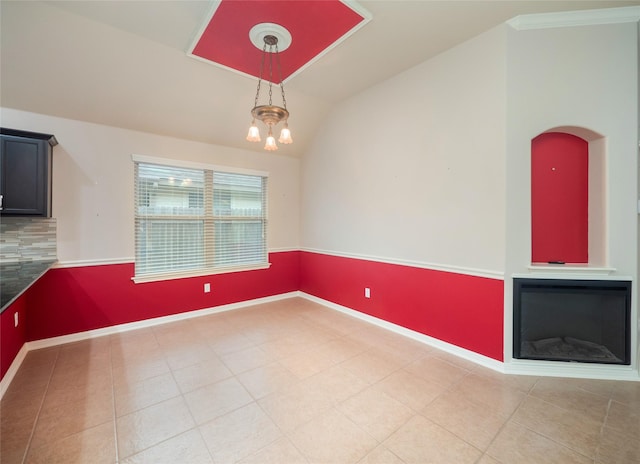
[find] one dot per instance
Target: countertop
(16, 277)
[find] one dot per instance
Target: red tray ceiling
(314, 25)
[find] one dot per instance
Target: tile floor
(293, 382)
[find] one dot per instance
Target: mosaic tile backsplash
(27, 239)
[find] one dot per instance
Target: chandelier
(270, 114)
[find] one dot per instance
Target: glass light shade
(271, 143)
(285, 135)
(254, 133)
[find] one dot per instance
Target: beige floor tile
(523, 383)
(14, 438)
(239, 434)
(185, 356)
(567, 394)
(60, 420)
(371, 366)
(403, 350)
(217, 399)
(267, 379)
(229, 343)
(133, 341)
(455, 360)
(332, 438)
(33, 376)
(572, 429)
(199, 375)
(337, 382)
(499, 396)
(627, 393)
(21, 404)
(82, 381)
(597, 386)
(286, 346)
(376, 413)
(341, 349)
(617, 447)
(409, 389)
(359, 383)
(436, 370)
(474, 422)
(486, 459)
(174, 332)
(124, 354)
(420, 441)
(381, 455)
(148, 427)
(136, 369)
(280, 451)
(623, 418)
(307, 363)
(186, 448)
(369, 335)
(246, 359)
(41, 358)
(95, 445)
(297, 405)
(139, 395)
(517, 444)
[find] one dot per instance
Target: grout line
(602, 427)
(551, 438)
(113, 401)
(37, 418)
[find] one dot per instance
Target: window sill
(197, 273)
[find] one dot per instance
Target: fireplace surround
(572, 320)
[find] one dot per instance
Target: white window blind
(197, 221)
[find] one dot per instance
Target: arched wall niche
(568, 197)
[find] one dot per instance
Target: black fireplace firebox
(572, 320)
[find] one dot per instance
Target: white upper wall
(584, 76)
(93, 183)
(413, 169)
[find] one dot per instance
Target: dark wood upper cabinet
(25, 173)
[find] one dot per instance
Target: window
(195, 220)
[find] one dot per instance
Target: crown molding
(575, 18)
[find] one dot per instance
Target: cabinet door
(23, 176)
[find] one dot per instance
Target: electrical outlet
(207, 287)
(15, 319)
(367, 292)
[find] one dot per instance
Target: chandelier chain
(264, 50)
(284, 100)
(271, 72)
(270, 114)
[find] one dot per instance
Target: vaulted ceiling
(181, 68)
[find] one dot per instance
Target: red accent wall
(463, 310)
(559, 198)
(70, 300)
(12, 338)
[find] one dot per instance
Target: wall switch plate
(207, 287)
(367, 292)
(15, 319)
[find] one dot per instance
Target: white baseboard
(13, 369)
(417, 336)
(571, 369)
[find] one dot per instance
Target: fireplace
(572, 320)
